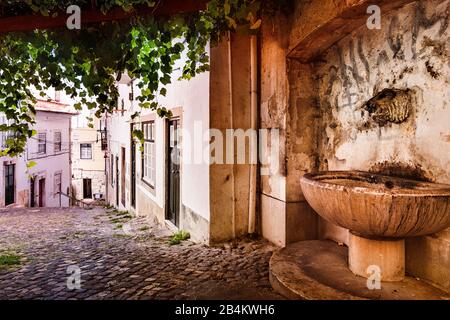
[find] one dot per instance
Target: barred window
(149, 154)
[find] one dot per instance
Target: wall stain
(420, 20)
(362, 57)
(439, 47)
(354, 68)
(401, 170)
(445, 137)
(344, 77)
(395, 39)
(431, 70)
(382, 58)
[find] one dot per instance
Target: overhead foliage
(86, 63)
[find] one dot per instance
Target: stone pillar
(288, 104)
(366, 257)
(230, 103)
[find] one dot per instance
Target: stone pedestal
(367, 257)
(318, 270)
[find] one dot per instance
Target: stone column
(366, 257)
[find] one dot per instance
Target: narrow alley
(121, 257)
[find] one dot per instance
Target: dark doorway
(117, 181)
(173, 174)
(42, 192)
(10, 188)
(87, 189)
(122, 182)
(133, 169)
(32, 192)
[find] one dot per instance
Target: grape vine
(86, 63)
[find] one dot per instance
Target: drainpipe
(253, 126)
(230, 81)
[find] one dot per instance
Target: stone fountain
(380, 212)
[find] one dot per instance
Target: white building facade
(88, 159)
(44, 183)
(145, 180)
(172, 178)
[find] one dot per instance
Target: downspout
(230, 81)
(253, 127)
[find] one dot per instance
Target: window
(85, 151)
(57, 142)
(57, 185)
(42, 143)
(149, 156)
(5, 135)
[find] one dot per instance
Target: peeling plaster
(407, 55)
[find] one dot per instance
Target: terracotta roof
(53, 106)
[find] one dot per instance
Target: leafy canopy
(86, 63)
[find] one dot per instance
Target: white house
(148, 182)
(49, 149)
(170, 179)
(88, 159)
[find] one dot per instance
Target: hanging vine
(86, 63)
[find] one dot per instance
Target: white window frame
(5, 135)
(81, 151)
(149, 154)
(57, 142)
(42, 142)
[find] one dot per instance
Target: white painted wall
(119, 136)
(46, 165)
(93, 168)
(193, 97)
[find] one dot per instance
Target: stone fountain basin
(378, 206)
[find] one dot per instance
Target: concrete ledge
(317, 270)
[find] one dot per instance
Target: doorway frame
(176, 221)
(123, 178)
(133, 172)
(84, 188)
(41, 192)
(117, 181)
(6, 168)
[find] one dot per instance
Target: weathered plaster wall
(230, 94)
(287, 105)
(409, 52)
(94, 168)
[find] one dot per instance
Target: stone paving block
(143, 266)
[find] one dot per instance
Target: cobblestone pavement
(122, 257)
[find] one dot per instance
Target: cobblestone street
(122, 258)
